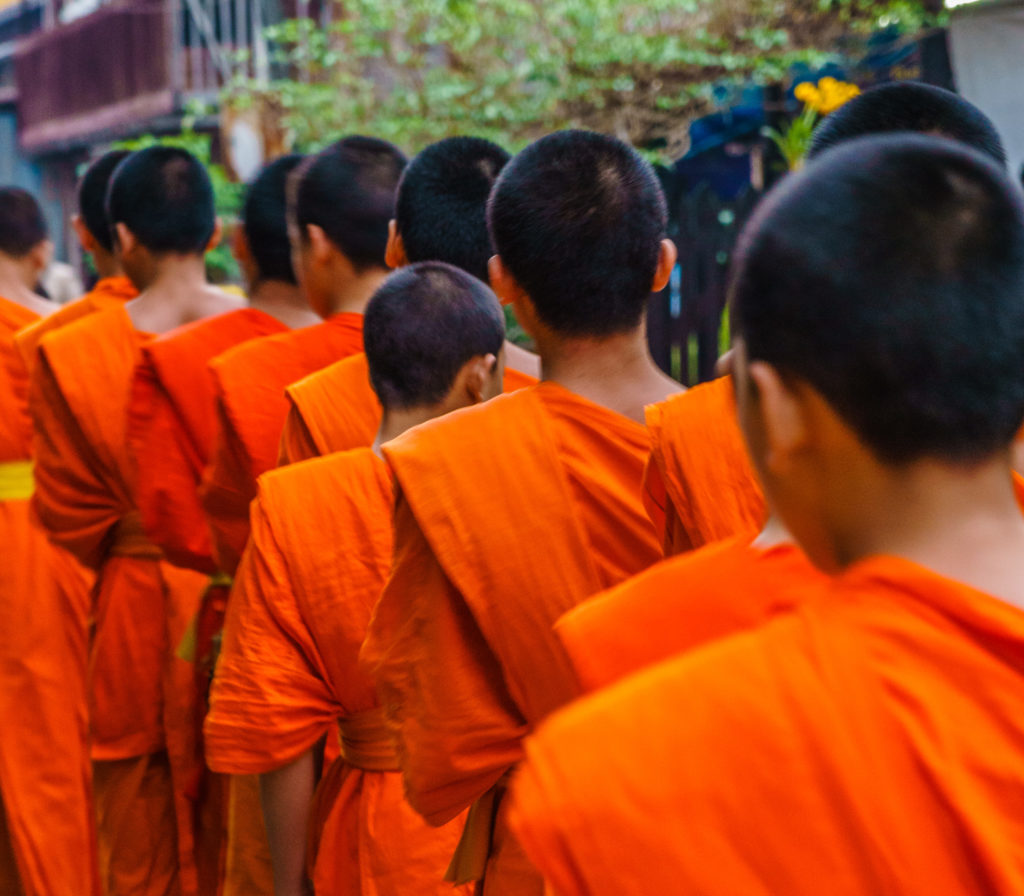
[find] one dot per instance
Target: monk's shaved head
(164, 196)
(22, 225)
(578, 219)
(889, 276)
(265, 222)
(422, 326)
(441, 211)
(910, 106)
(92, 196)
(348, 190)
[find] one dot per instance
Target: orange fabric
(699, 465)
(510, 514)
(682, 603)
(334, 409)
(868, 742)
(252, 407)
(44, 757)
(140, 695)
(171, 426)
(109, 292)
(288, 671)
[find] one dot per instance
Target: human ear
(218, 232)
(478, 375)
(125, 241)
(41, 255)
(85, 238)
(784, 418)
(667, 255)
(394, 254)
(320, 246)
(509, 292)
(240, 246)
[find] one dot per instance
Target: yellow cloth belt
(16, 480)
(366, 742)
(470, 858)
(130, 540)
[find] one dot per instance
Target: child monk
(160, 203)
(47, 832)
(95, 235)
(288, 671)
(440, 215)
(340, 202)
(870, 740)
(171, 426)
(700, 478)
(511, 513)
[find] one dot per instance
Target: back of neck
(283, 301)
(356, 293)
(178, 294)
(616, 372)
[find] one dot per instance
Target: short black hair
(22, 225)
(164, 196)
(441, 210)
(348, 190)
(421, 326)
(92, 196)
(889, 276)
(265, 223)
(910, 106)
(578, 218)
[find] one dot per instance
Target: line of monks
(336, 591)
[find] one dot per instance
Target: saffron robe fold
(318, 557)
(509, 514)
(45, 778)
(335, 409)
(870, 741)
(682, 603)
(172, 424)
(251, 410)
(700, 471)
(109, 292)
(141, 698)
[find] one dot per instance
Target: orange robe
(510, 513)
(700, 478)
(45, 786)
(110, 292)
(682, 603)
(171, 427)
(335, 409)
(871, 741)
(142, 706)
(252, 407)
(288, 673)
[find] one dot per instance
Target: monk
(700, 480)
(340, 202)
(47, 831)
(870, 739)
(440, 215)
(96, 239)
(160, 203)
(511, 513)
(434, 338)
(171, 425)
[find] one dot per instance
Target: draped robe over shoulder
(335, 409)
(251, 410)
(509, 514)
(45, 786)
(317, 560)
(682, 603)
(870, 741)
(700, 470)
(172, 423)
(140, 699)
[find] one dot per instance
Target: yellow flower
(827, 96)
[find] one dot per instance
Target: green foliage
(228, 195)
(414, 71)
